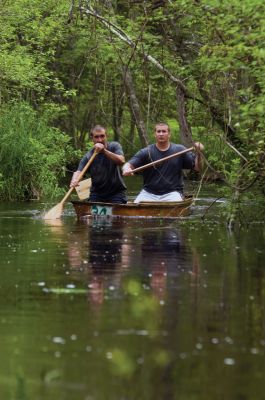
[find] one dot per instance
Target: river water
(130, 309)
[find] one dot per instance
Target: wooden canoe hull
(146, 209)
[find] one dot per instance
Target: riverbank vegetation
(126, 65)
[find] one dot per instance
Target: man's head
(162, 133)
(98, 134)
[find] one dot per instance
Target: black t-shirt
(105, 174)
(167, 176)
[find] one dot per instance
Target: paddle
(83, 189)
(161, 160)
(57, 210)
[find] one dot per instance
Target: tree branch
(125, 38)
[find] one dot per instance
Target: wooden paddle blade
(54, 212)
(57, 210)
(83, 189)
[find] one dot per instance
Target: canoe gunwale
(137, 210)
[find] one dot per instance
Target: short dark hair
(162, 124)
(96, 129)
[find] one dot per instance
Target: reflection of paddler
(159, 281)
(104, 247)
(75, 241)
(161, 241)
(169, 246)
(77, 248)
(105, 258)
(162, 255)
(96, 290)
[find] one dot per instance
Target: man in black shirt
(163, 182)
(105, 170)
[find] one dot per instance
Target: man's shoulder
(177, 147)
(146, 150)
(114, 145)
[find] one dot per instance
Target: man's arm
(76, 174)
(74, 180)
(116, 158)
(127, 169)
(139, 159)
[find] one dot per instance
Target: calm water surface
(116, 310)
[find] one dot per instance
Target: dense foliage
(128, 64)
(32, 154)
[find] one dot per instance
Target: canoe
(144, 209)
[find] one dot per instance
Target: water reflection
(106, 253)
(166, 253)
(160, 253)
(103, 251)
(175, 305)
(105, 246)
(99, 252)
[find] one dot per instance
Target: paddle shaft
(151, 164)
(80, 176)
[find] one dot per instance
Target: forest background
(68, 65)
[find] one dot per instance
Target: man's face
(99, 136)
(162, 133)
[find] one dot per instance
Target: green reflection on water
(125, 310)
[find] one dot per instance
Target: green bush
(33, 154)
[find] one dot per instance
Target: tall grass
(32, 154)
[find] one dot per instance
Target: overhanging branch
(125, 38)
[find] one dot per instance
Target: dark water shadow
(104, 252)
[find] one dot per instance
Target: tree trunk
(184, 126)
(117, 111)
(135, 107)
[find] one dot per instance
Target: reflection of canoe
(150, 209)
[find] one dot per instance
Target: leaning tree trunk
(135, 107)
(131, 132)
(184, 126)
(134, 104)
(117, 111)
